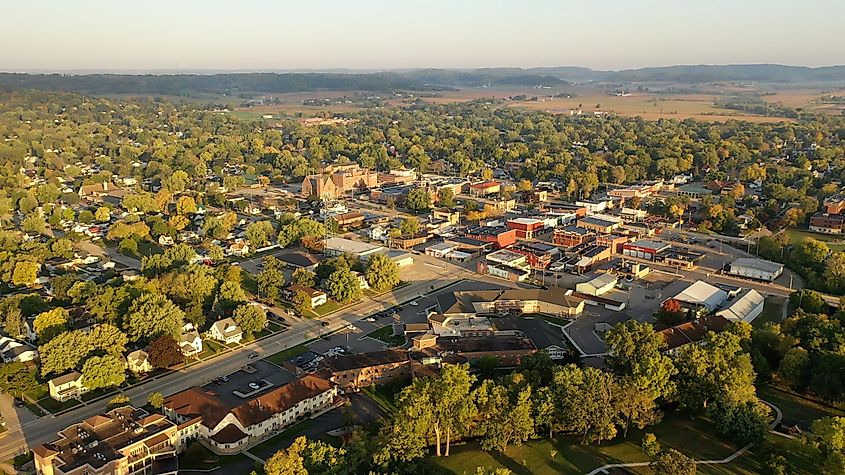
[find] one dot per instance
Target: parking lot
(267, 375)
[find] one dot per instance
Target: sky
(257, 35)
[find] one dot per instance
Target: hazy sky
(244, 35)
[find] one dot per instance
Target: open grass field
(797, 235)
(808, 99)
(693, 437)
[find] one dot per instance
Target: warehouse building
(757, 269)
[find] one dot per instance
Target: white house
(138, 362)
(226, 331)
(238, 248)
(165, 240)
(190, 342)
(14, 350)
(317, 297)
(376, 233)
(362, 280)
(67, 386)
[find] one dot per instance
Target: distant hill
(230, 84)
(245, 84)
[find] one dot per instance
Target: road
(425, 274)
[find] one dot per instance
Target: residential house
(14, 350)
(190, 342)
(238, 248)
(315, 297)
(138, 362)
(226, 331)
(67, 386)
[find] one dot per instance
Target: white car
(369, 319)
(414, 303)
(254, 385)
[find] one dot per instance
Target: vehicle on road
(369, 319)
(414, 303)
(325, 324)
(253, 355)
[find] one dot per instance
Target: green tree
(288, 461)
(65, 351)
(118, 401)
(410, 226)
(585, 402)
(156, 400)
(672, 462)
(51, 323)
(25, 273)
(325, 459)
(382, 273)
(418, 199)
(151, 316)
(304, 277)
(231, 295)
(343, 286)
(251, 318)
(505, 420)
(795, 367)
(259, 233)
(270, 282)
(718, 370)
(103, 372)
(102, 215)
(446, 197)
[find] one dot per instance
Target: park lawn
(385, 334)
(55, 406)
(795, 407)
(279, 358)
(798, 235)
(694, 437)
(752, 462)
(772, 311)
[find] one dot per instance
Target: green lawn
(284, 355)
(272, 442)
(386, 335)
(384, 396)
(798, 235)
(772, 311)
(796, 407)
(55, 406)
(695, 438)
(212, 346)
(327, 308)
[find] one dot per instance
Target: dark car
(325, 324)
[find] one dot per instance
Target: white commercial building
(747, 306)
(758, 269)
(700, 294)
(600, 285)
(336, 246)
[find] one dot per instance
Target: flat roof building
(757, 269)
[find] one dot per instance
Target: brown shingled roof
(229, 434)
(198, 402)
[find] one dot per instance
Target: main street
(426, 273)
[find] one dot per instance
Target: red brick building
(498, 235)
(613, 241)
(526, 227)
(537, 258)
(569, 236)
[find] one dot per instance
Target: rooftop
(343, 245)
(760, 264)
(364, 360)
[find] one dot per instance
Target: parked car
(369, 319)
(254, 385)
(253, 355)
